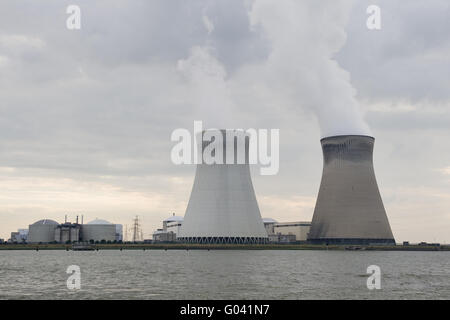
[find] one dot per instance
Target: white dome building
(173, 224)
(42, 231)
(98, 230)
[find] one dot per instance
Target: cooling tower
(349, 209)
(223, 207)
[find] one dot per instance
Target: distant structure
(163, 236)
(223, 207)
(173, 224)
(119, 232)
(284, 232)
(42, 231)
(269, 225)
(98, 230)
(19, 236)
(137, 231)
(50, 231)
(300, 229)
(170, 230)
(349, 209)
(67, 232)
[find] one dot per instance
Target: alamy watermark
(374, 280)
(374, 20)
(230, 146)
(73, 22)
(74, 280)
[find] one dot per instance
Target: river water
(224, 274)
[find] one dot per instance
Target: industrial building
(163, 236)
(299, 229)
(19, 236)
(223, 207)
(47, 231)
(171, 227)
(42, 231)
(285, 232)
(119, 232)
(67, 232)
(173, 224)
(349, 209)
(269, 225)
(282, 238)
(98, 230)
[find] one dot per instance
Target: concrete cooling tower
(223, 207)
(349, 209)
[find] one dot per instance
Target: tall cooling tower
(349, 209)
(223, 207)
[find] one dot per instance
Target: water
(220, 274)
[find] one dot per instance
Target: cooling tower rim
(242, 132)
(347, 135)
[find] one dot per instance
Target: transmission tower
(137, 230)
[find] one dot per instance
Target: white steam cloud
(208, 88)
(304, 36)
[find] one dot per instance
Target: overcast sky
(86, 115)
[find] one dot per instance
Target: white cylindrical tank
(42, 231)
(98, 230)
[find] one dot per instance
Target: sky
(86, 115)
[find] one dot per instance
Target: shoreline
(182, 246)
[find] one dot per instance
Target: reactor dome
(42, 231)
(99, 221)
(98, 230)
(45, 221)
(174, 219)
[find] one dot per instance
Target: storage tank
(349, 209)
(223, 207)
(98, 230)
(42, 231)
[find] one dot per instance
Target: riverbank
(182, 246)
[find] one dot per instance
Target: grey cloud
(100, 104)
(408, 58)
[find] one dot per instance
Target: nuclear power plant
(50, 231)
(349, 209)
(223, 207)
